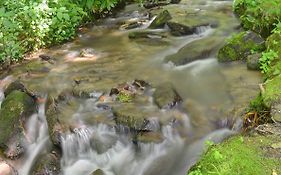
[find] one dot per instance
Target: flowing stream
(211, 92)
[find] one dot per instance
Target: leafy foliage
(27, 25)
(259, 15)
(265, 61)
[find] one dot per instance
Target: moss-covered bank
(253, 154)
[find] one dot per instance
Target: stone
(196, 50)
(98, 172)
(146, 34)
(130, 116)
(253, 61)
(276, 112)
(160, 20)
(239, 47)
(47, 164)
(165, 96)
(16, 85)
(155, 3)
(16, 108)
(178, 29)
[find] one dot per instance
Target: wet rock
(16, 85)
(7, 169)
(132, 25)
(147, 34)
(98, 172)
(165, 96)
(130, 116)
(47, 58)
(47, 164)
(199, 49)
(16, 108)
(253, 61)
(180, 29)
(160, 20)
(175, 1)
(150, 137)
(19, 86)
(240, 46)
(55, 126)
(88, 52)
(155, 3)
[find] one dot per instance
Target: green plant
(124, 97)
(265, 61)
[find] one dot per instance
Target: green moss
(259, 16)
(238, 155)
(16, 104)
(131, 116)
(239, 46)
(272, 91)
(124, 97)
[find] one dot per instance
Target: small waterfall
(102, 147)
(37, 137)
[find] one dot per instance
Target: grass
(237, 156)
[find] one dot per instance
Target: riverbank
(28, 26)
(259, 45)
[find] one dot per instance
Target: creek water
(211, 92)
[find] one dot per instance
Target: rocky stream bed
(137, 93)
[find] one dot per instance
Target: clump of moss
(124, 97)
(272, 91)
(239, 46)
(237, 155)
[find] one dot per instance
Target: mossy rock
(15, 109)
(58, 110)
(16, 85)
(130, 116)
(47, 164)
(253, 62)
(160, 20)
(239, 46)
(98, 172)
(165, 96)
(196, 50)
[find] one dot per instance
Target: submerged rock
(16, 108)
(98, 172)
(165, 96)
(160, 20)
(47, 164)
(147, 34)
(195, 50)
(253, 61)
(240, 46)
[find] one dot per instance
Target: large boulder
(16, 108)
(199, 49)
(165, 96)
(161, 19)
(240, 46)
